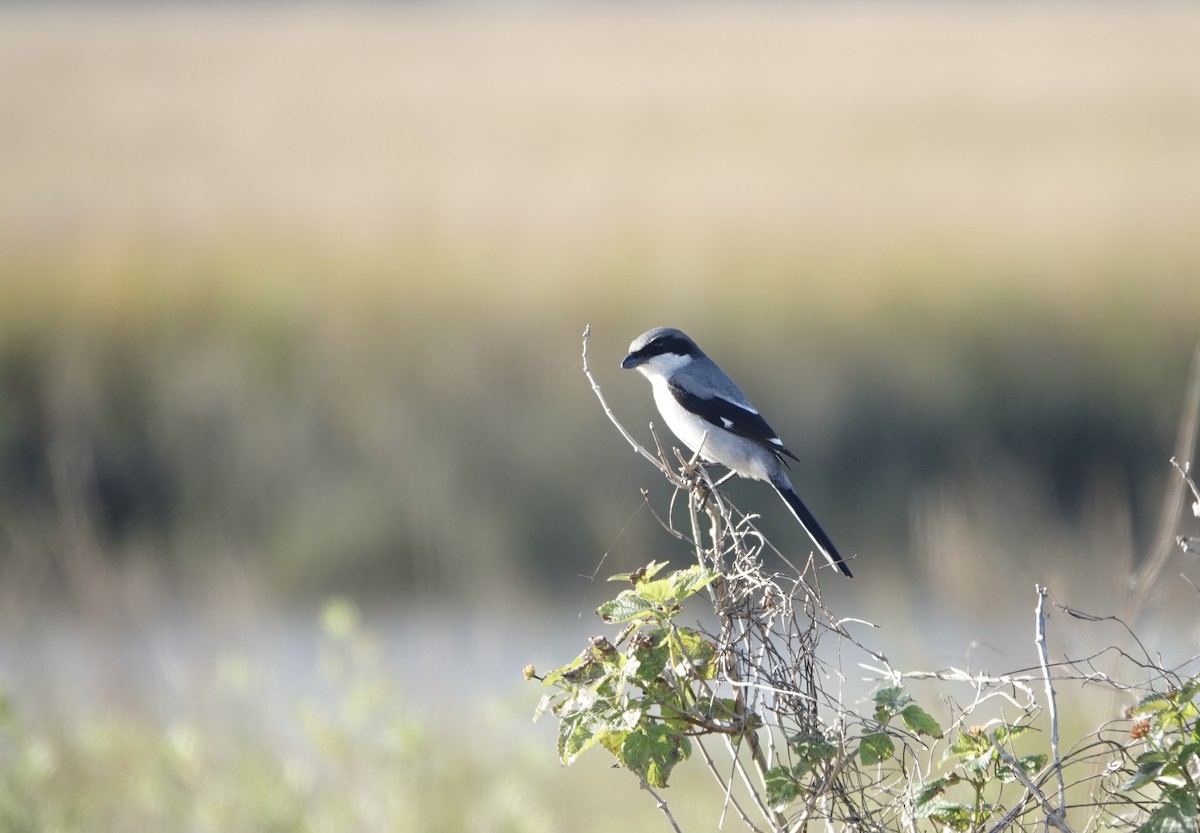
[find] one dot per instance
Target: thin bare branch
(1051, 698)
(638, 447)
(1168, 527)
(662, 805)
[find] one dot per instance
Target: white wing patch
(727, 421)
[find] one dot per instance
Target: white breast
(719, 446)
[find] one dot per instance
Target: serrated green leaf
(1185, 753)
(918, 720)
(1031, 765)
(572, 668)
(964, 744)
(929, 792)
(652, 752)
(782, 788)
(975, 752)
(1149, 766)
(1188, 712)
(968, 745)
(954, 815)
(891, 700)
(815, 749)
(629, 605)
(810, 753)
(543, 704)
(689, 581)
(1190, 689)
(652, 658)
(576, 732)
(1007, 732)
(1152, 703)
(660, 591)
(645, 573)
(722, 708)
(613, 741)
(1176, 815)
(875, 748)
(697, 652)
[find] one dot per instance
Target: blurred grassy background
(292, 297)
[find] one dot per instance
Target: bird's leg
(726, 477)
(666, 464)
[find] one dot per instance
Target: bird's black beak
(631, 361)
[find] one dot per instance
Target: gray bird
(708, 412)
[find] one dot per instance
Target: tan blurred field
(290, 304)
(547, 152)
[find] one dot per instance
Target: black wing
(733, 418)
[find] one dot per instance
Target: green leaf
(1007, 732)
(652, 752)
(929, 792)
(661, 591)
(1152, 703)
(1176, 815)
(1149, 766)
(950, 813)
(1188, 711)
(722, 708)
(629, 605)
(689, 581)
(875, 748)
(644, 574)
(967, 744)
(1031, 765)
(919, 721)
(699, 653)
(1185, 753)
(974, 751)
(543, 704)
(576, 732)
(580, 671)
(813, 749)
(652, 658)
(613, 741)
(782, 788)
(889, 701)
(1190, 689)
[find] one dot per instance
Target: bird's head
(659, 351)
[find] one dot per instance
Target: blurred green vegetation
(353, 433)
(349, 755)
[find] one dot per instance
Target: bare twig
(1051, 699)
(1188, 544)
(662, 805)
(1167, 533)
(1053, 815)
(1185, 471)
(638, 447)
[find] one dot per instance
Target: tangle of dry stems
(783, 652)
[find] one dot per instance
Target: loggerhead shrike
(709, 413)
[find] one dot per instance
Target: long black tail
(810, 525)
